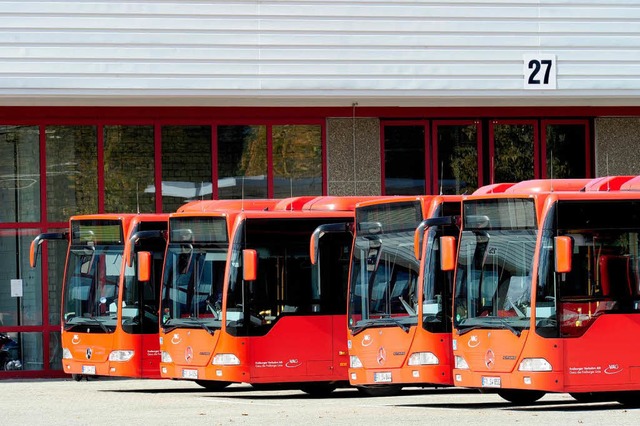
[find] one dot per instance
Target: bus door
(140, 306)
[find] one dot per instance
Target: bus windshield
(383, 287)
(92, 276)
(193, 274)
(91, 287)
(493, 278)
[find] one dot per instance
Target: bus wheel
(629, 399)
(77, 377)
(212, 385)
(587, 397)
(318, 390)
(521, 397)
(390, 390)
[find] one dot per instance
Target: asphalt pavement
(164, 402)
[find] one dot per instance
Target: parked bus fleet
(519, 288)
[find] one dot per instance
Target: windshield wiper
(503, 322)
(81, 320)
(470, 328)
(509, 326)
(193, 321)
(380, 321)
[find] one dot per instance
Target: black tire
(587, 397)
(377, 391)
(77, 377)
(213, 385)
(318, 390)
(520, 396)
(628, 399)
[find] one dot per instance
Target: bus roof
(547, 185)
(607, 183)
(217, 205)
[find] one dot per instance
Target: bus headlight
(423, 358)
(225, 359)
(165, 357)
(66, 353)
(460, 363)
(535, 364)
(354, 362)
(121, 356)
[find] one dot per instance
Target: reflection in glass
(457, 159)
(186, 165)
(72, 177)
(297, 160)
(55, 351)
(129, 169)
(513, 152)
(19, 173)
(242, 162)
(54, 267)
(404, 167)
(566, 156)
(14, 264)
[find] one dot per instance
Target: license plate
(384, 377)
(491, 382)
(88, 369)
(189, 374)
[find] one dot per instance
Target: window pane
(54, 267)
(186, 165)
(72, 178)
(27, 349)
(513, 152)
(55, 351)
(404, 166)
(566, 156)
(20, 171)
(297, 160)
(457, 159)
(129, 169)
(242, 162)
(14, 265)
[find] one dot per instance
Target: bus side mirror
(447, 253)
(418, 236)
(249, 265)
(563, 254)
(144, 266)
(34, 251)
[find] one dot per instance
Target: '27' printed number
(539, 71)
(537, 65)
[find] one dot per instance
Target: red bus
(547, 292)
(399, 300)
(242, 302)
(109, 320)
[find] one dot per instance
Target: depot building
(141, 106)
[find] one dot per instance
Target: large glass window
(72, 172)
(19, 173)
(297, 160)
(513, 158)
(186, 165)
(242, 162)
(21, 289)
(129, 169)
(457, 157)
(54, 267)
(566, 150)
(404, 159)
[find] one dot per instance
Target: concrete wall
(353, 156)
(616, 146)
